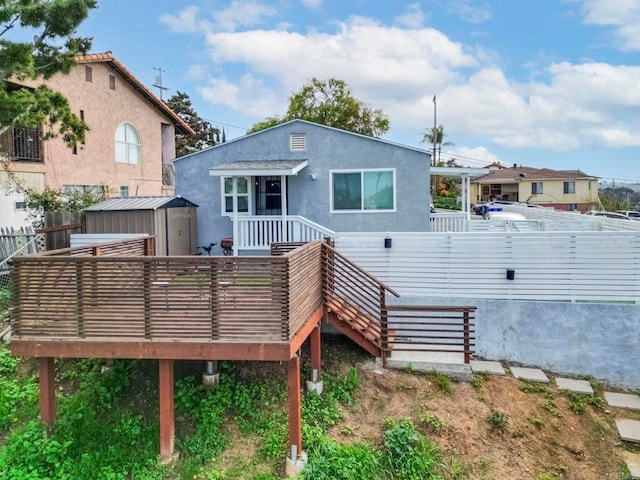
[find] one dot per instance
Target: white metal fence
(558, 266)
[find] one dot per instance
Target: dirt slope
(542, 435)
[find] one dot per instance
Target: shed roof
(140, 203)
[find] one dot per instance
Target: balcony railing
(21, 144)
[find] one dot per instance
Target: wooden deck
(212, 308)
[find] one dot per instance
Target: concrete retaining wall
(597, 339)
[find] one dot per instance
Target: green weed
(432, 421)
(578, 402)
(552, 408)
(533, 387)
(442, 382)
(497, 420)
(407, 454)
(535, 421)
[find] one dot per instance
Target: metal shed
(173, 221)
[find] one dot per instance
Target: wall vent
(298, 142)
(88, 73)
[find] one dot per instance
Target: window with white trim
(363, 190)
(240, 190)
(298, 142)
(536, 188)
(127, 144)
(569, 187)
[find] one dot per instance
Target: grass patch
(497, 420)
(442, 382)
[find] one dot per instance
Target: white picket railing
(558, 266)
(259, 232)
(448, 222)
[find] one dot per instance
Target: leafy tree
(52, 200)
(331, 102)
(52, 50)
(435, 135)
(206, 134)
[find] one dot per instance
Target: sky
(545, 83)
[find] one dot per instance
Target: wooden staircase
(356, 324)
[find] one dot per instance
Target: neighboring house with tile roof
(561, 189)
(127, 151)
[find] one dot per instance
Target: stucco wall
(573, 338)
(327, 149)
(104, 109)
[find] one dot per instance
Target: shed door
(178, 231)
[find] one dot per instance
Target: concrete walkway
(629, 430)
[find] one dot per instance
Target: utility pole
(158, 83)
(435, 132)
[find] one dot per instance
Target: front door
(268, 196)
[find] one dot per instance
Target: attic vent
(88, 73)
(298, 142)
(112, 82)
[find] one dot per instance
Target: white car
(615, 215)
(632, 214)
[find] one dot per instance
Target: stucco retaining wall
(597, 339)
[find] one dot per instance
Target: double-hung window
(536, 188)
(240, 191)
(569, 187)
(363, 190)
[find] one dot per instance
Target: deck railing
(21, 144)
(71, 295)
(436, 329)
(259, 232)
(448, 222)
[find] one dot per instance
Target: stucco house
(561, 189)
(127, 151)
(300, 180)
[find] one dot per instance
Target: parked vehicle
(632, 214)
(618, 216)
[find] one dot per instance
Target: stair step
(629, 430)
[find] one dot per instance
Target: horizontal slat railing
(346, 281)
(151, 298)
(449, 330)
(553, 266)
(304, 284)
(139, 246)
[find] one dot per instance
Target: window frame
(224, 195)
(127, 144)
(566, 187)
(535, 190)
(362, 171)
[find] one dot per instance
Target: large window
(536, 188)
(127, 144)
(240, 190)
(363, 191)
(569, 187)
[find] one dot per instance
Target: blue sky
(550, 83)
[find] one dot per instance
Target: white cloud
(239, 13)
(413, 17)
(470, 11)
(187, 21)
(471, 157)
(622, 15)
(248, 95)
(568, 106)
(312, 3)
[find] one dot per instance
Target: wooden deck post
(295, 416)
(167, 425)
(316, 355)
(47, 390)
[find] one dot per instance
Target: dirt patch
(541, 434)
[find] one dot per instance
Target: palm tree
(435, 136)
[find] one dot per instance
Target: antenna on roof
(158, 83)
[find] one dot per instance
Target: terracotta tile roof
(518, 173)
(107, 57)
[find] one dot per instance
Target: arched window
(127, 144)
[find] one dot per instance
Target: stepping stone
(482, 366)
(633, 464)
(576, 386)
(623, 400)
(530, 374)
(629, 430)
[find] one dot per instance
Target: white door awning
(258, 168)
